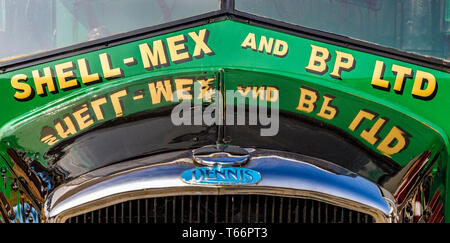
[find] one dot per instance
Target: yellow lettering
(344, 62)
(318, 60)
(377, 77)
(258, 92)
(401, 74)
(108, 71)
(249, 41)
(363, 114)
(307, 100)
(242, 91)
(183, 92)
(82, 116)
(153, 58)
(46, 80)
(67, 129)
(49, 140)
(96, 106)
(419, 91)
(272, 94)
(201, 47)
(394, 142)
(177, 49)
(371, 135)
(17, 82)
(66, 77)
(160, 88)
(117, 103)
(86, 76)
(281, 48)
(265, 46)
(206, 91)
(48, 136)
(327, 111)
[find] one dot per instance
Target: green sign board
(395, 109)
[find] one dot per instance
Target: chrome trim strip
(285, 174)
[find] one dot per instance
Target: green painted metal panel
(353, 83)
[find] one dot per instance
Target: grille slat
(215, 210)
(190, 209)
(130, 218)
(232, 209)
(258, 209)
(249, 211)
(273, 210)
(206, 209)
(174, 209)
(182, 209)
(265, 208)
(222, 209)
(198, 210)
(155, 205)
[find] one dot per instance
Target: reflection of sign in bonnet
(222, 163)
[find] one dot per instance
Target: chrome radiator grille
(222, 209)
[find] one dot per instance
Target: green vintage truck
(224, 111)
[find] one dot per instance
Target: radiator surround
(283, 174)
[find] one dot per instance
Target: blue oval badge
(221, 176)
